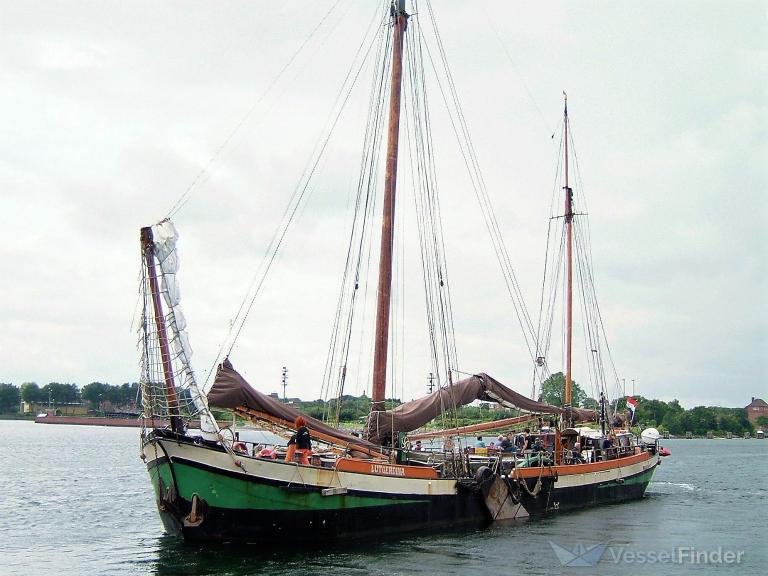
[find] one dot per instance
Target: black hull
(564, 499)
(444, 513)
(289, 527)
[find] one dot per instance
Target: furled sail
(231, 391)
(411, 415)
(163, 237)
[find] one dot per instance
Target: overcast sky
(109, 111)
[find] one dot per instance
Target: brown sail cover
(230, 390)
(411, 415)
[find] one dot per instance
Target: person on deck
(300, 443)
(577, 457)
(239, 446)
(506, 444)
(527, 440)
(608, 450)
(479, 443)
(417, 446)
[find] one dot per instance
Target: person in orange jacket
(300, 443)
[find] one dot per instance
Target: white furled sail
(177, 365)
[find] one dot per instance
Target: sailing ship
(211, 486)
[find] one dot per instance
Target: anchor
(196, 516)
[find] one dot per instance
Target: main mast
(569, 268)
(399, 19)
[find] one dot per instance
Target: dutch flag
(632, 405)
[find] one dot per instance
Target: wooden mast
(148, 250)
(399, 19)
(569, 265)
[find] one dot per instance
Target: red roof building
(756, 409)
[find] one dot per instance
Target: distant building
(276, 396)
(756, 409)
(69, 409)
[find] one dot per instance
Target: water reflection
(413, 553)
(173, 557)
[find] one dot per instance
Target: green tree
(729, 423)
(61, 393)
(314, 410)
(9, 398)
(675, 407)
(762, 421)
(553, 391)
(30, 392)
(114, 394)
(651, 411)
(701, 420)
(129, 394)
(590, 404)
(94, 393)
(350, 408)
(672, 421)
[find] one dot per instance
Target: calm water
(77, 500)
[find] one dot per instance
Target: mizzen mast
(399, 20)
(569, 268)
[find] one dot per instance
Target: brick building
(756, 409)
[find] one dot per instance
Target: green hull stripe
(162, 471)
(642, 478)
(226, 492)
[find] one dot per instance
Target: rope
(461, 131)
(359, 238)
(528, 91)
(536, 487)
(184, 198)
(593, 327)
(437, 291)
(296, 200)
